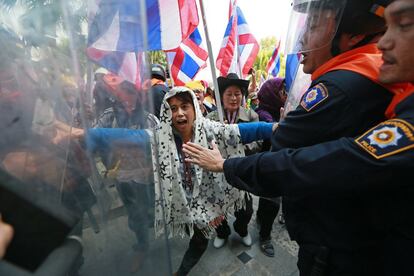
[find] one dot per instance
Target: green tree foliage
(158, 57)
(267, 45)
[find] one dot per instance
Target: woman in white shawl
(188, 199)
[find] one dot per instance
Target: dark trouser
(137, 201)
(243, 217)
(399, 255)
(318, 261)
(266, 214)
(197, 247)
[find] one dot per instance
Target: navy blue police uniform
(337, 104)
(381, 162)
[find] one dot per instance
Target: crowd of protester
(338, 161)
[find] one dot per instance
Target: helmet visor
(313, 24)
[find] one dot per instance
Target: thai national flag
(115, 35)
(187, 60)
(225, 57)
(237, 33)
(273, 66)
(248, 47)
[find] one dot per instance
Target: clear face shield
(76, 207)
(312, 28)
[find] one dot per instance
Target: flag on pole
(273, 66)
(237, 34)
(115, 39)
(248, 47)
(226, 54)
(187, 60)
(127, 65)
(262, 80)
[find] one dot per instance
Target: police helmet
(158, 72)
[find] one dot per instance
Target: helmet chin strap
(335, 49)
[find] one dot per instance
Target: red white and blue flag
(273, 66)
(225, 57)
(115, 39)
(237, 34)
(187, 60)
(248, 47)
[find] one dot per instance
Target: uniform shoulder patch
(387, 138)
(314, 96)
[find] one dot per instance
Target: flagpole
(212, 65)
(169, 69)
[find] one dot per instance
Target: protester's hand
(274, 127)
(282, 113)
(252, 85)
(6, 235)
(64, 132)
(113, 173)
(210, 160)
(252, 72)
(217, 221)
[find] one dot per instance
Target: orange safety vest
(366, 60)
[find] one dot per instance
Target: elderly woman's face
(183, 115)
(232, 98)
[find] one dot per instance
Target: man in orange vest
(335, 231)
(380, 161)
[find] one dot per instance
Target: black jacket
(362, 169)
(158, 92)
(338, 104)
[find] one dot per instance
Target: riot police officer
(367, 172)
(338, 49)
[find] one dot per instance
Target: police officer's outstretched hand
(6, 234)
(210, 160)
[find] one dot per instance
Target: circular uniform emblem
(387, 138)
(314, 96)
(384, 137)
(311, 96)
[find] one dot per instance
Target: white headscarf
(212, 196)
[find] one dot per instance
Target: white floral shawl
(212, 196)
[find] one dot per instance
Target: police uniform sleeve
(323, 113)
(346, 165)
(102, 138)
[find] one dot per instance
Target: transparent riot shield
(313, 25)
(95, 194)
